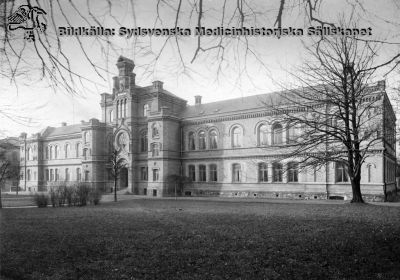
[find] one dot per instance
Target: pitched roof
(63, 130)
(253, 102)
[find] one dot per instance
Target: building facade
(227, 148)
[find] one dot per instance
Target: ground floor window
(236, 173)
(277, 171)
(341, 172)
(156, 174)
(87, 174)
(202, 173)
(262, 172)
(192, 173)
(293, 172)
(213, 173)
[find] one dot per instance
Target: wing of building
(226, 148)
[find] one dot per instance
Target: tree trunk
(1, 204)
(356, 189)
(115, 189)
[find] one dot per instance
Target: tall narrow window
(28, 175)
(213, 139)
(117, 108)
(262, 172)
(277, 171)
(293, 172)
(155, 149)
(277, 133)
(143, 142)
(237, 137)
(369, 169)
(236, 173)
(85, 153)
(52, 152)
(263, 135)
(67, 174)
(192, 145)
(125, 108)
(202, 140)
(192, 173)
(87, 175)
(341, 172)
(146, 110)
(47, 152)
(78, 174)
(213, 173)
(67, 151)
(143, 173)
(57, 175)
(156, 175)
(202, 173)
(51, 175)
(47, 175)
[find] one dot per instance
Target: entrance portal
(123, 178)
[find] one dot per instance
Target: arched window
(202, 173)
(192, 172)
(143, 142)
(262, 172)
(277, 133)
(263, 135)
(293, 133)
(213, 139)
(293, 172)
(57, 152)
(202, 140)
(369, 169)
(146, 110)
(341, 172)
(67, 151)
(34, 153)
(277, 171)
(47, 152)
(237, 137)
(78, 150)
(124, 108)
(236, 172)
(213, 173)
(52, 152)
(192, 145)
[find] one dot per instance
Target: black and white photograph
(199, 139)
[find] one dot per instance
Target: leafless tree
(336, 115)
(9, 169)
(116, 166)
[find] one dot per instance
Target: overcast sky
(260, 70)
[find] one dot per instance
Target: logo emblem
(28, 18)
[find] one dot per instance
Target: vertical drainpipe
(384, 149)
(25, 164)
(326, 152)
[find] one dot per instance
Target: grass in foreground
(185, 239)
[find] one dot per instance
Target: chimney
(158, 85)
(63, 124)
(382, 84)
(197, 100)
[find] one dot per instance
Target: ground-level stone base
(283, 195)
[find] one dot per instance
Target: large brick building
(227, 148)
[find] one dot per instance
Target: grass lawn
(189, 239)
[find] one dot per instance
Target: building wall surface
(157, 133)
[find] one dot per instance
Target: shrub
(62, 195)
(41, 200)
(53, 197)
(69, 195)
(82, 192)
(95, 196)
